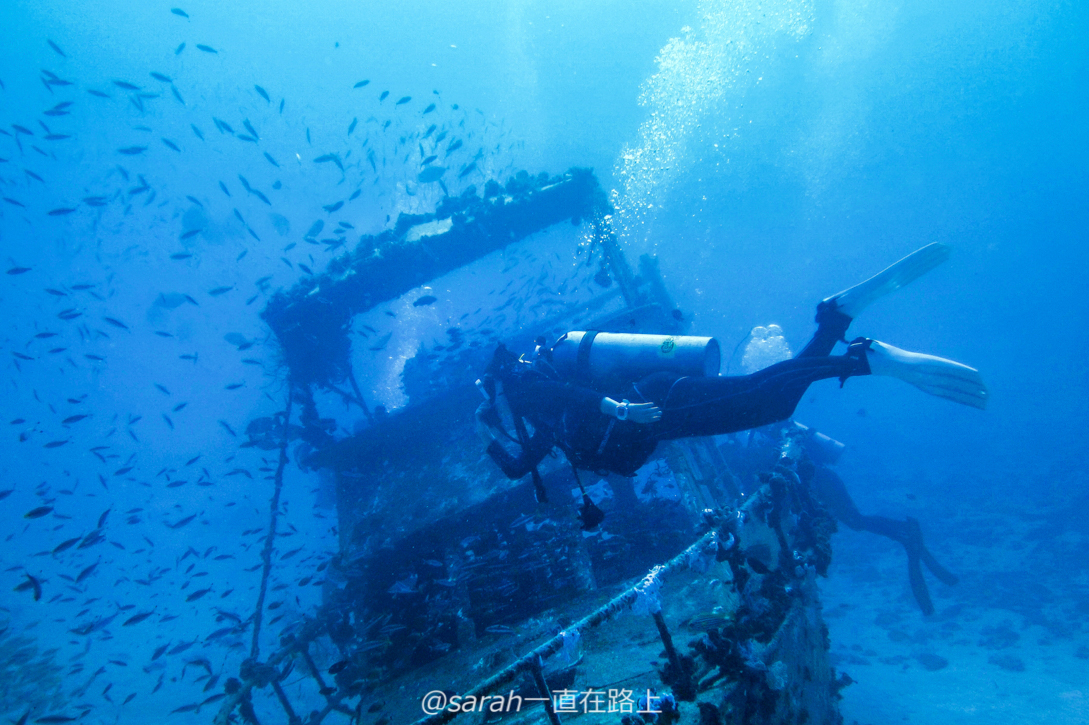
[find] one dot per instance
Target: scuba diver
(762, 447)
(669, 387)
(830, 490)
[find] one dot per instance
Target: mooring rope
(621, 603)
(266, 552)
(359, 397)
(643, 597)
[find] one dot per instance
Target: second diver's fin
(854, 300)
(918, 585)
(933, 375)
(945, 576)
(914, 546)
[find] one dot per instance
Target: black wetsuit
(568, 416)
(832, 493)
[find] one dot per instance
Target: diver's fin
(854, 300)
(933, 375)
(914, 545)
(590, 514)
(945, 576)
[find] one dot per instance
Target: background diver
(597, 432)
(816, 473)
(830, 490)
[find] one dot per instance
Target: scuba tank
(608, 357)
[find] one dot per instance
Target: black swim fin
(943, 575)
(913, 544)
(916, 552)
(590, 514)
(918, 584)
(539, 492)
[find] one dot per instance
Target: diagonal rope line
(266, 552)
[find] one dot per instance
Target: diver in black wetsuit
(600, 434)
(830, 490)
(815, 470)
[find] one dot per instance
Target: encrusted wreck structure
(695, 600)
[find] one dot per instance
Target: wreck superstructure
(449, 577)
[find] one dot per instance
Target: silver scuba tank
(600, 357)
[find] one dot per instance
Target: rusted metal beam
(310, 320)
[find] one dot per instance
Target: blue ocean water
(156, 164)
